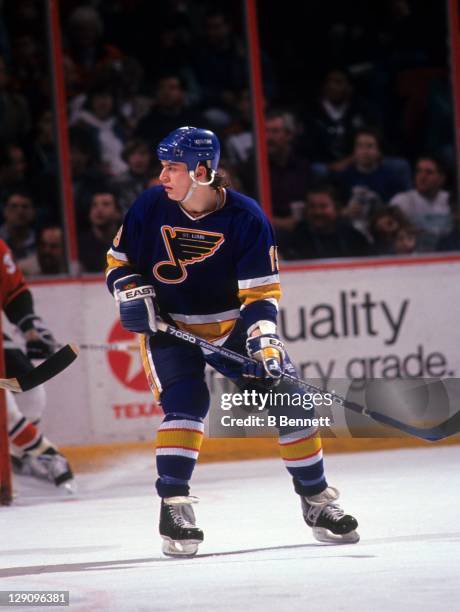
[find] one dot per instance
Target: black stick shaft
(443, 430)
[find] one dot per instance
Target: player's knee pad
(188, 396)
(32, 403)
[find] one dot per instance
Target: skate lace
(178, 515)
(333, 512)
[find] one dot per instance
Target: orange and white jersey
(12, 281)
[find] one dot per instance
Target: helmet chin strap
(203, 183)
(190, 192)
(195, 184)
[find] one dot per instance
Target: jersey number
(9, 264)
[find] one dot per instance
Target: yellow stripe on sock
(300, 448)
(184, 438)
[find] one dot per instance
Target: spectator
(104, 219)
(332, 123)
(44, 167)
(89, 54)
(168, 112)
(50, 250)
(406, 240)
(125, 78)
(18, 229)
(290, 175)
(99, 117)
(439, 122)
(240, 142)
(451, 241)
(323, 233)
(139, 157)
(220, 65)
(29, 70)
(13, 168)
(86, 176)
(15, 120)
(384, 226)
(369, 182)
(44, 156)
(50, 258)
(427, 206)
(370, 170)
(174, 50)
(133, 104)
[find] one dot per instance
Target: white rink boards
(335, 321)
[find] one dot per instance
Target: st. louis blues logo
(184, 247)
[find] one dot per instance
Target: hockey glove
(137, 304)
(269, 351)
(40, 343)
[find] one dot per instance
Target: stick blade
(451, 427)
(448, 428)
(54, 365)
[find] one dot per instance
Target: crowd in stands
(359, 128)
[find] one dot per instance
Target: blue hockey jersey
(207, 271)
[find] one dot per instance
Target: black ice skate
(181, 536)
(327, 519)
(50, 465)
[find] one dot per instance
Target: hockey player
(204, 257)
(31, 452)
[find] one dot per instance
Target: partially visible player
(204, 256)
(31, 452)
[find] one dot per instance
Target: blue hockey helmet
(191, 145)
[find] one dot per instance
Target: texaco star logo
(126, 366)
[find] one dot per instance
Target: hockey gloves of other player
(137, 304)
(268, 350)
(40, 343)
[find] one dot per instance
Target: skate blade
(324, 535)
(180, 548)
(69, 487)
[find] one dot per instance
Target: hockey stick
(110, 346)
(121, 347)
(55, 364)
(432, 434)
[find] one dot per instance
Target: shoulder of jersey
(3, 247)
(245, 204)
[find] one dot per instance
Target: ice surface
(102, 544)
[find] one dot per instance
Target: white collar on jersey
(221, 197)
